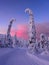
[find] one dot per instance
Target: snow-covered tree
(32, 30)
(9, 38)
(43, 42)
(9, 41)
(15, 41)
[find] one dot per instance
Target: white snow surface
(20, 56)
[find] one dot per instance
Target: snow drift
(20, 56)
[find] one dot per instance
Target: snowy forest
(32, 47)
(32, 44)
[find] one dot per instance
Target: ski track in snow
(17, 56)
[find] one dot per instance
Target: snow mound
(45, 53)
(38, 60)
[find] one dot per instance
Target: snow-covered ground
(20, 56)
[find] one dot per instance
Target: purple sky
(15, 9)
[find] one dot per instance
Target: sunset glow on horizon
(22, 30)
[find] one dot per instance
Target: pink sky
(22, 30)
(42, 28)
